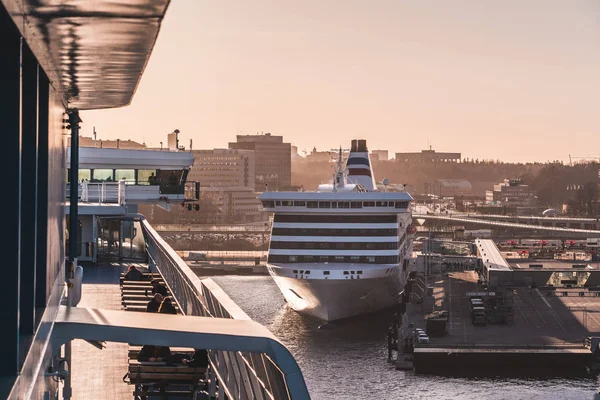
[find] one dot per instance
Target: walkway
(97, 374)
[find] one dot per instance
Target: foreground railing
(241, 375)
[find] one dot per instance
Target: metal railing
(241, 375)
(101, 192)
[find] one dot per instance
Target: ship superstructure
(339, 251)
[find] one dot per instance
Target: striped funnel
(359, 165)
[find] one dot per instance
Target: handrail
(241, 375)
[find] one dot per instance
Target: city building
(511, 193)
(454, 187)
(294, 152)
(273, 164)
(320, 156)
(380, 155)
(223, 168)
(428, 157)
(234, 204)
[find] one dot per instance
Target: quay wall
(510, 362)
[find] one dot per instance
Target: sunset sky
(513, 80)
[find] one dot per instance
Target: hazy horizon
(511, 80)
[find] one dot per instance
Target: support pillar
(41, 272)
(74, 192)
(29, 156)
(10, 164)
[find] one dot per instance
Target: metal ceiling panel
(93, 51)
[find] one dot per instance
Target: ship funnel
(359, 165)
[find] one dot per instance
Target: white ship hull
(333, 299)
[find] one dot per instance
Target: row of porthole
(307, 272)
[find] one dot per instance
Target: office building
(273, 165)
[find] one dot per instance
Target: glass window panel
(126, 174)
(100, 175)
(147, 177)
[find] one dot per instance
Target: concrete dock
(545, 334)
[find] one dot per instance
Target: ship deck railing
(240, 374)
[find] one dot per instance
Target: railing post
(102, 192)
(121, 193)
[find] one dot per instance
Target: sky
(514, 80)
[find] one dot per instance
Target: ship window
(324, 245)
(128, 175)
(286, 203)
(325, 272)
(402, 204)
(355, 204)
(391, 204)
(381, 204)
(83, 174)
(300, 203)
(293, 258)
(323, 258)
(343, 204)
(324, 204)
(339, 258)
(352, 272)
(371, 259)
(345, 272)
(334, 204)
(312, 204)
(100, 175)
(295, 271)
(359, 272)
(307, 272)
(268, 203)
(368, 204)
(354, 258)
(277, 203)
(340, 245)
(308, 258)
(147, 177)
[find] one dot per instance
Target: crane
(588, 158)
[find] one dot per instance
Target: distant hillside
(482, 175)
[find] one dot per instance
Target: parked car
(423, 338)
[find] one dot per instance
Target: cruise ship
(341, 250)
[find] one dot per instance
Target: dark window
(312, 204)
(333, 232)
(343, 204)
(268, 203)
(402, 204)
(379, 219)
(286, 203)
(355, 204)
(324, 204)
(368, 204)
(300, 203)
(325, 272)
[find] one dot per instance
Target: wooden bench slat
(163, 377)
(168, 369)
(169, 393)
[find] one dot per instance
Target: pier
(531, 328)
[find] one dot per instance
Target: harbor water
(347, 359)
